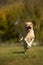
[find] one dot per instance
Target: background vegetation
(13, 14)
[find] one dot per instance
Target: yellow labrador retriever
(28, 36)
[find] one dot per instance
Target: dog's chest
(30, 34)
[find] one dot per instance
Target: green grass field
(14, 55)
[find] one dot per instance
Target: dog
(28, 35)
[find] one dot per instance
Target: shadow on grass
(19, 52)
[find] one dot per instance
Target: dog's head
(28, 25)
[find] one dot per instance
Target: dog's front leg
(28, 43)
(21, 39)
(31, 41)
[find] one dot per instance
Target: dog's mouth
(28, 28)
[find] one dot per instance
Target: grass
(14, 55)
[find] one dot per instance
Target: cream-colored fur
(29, 37)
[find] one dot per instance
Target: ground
(14, 55)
